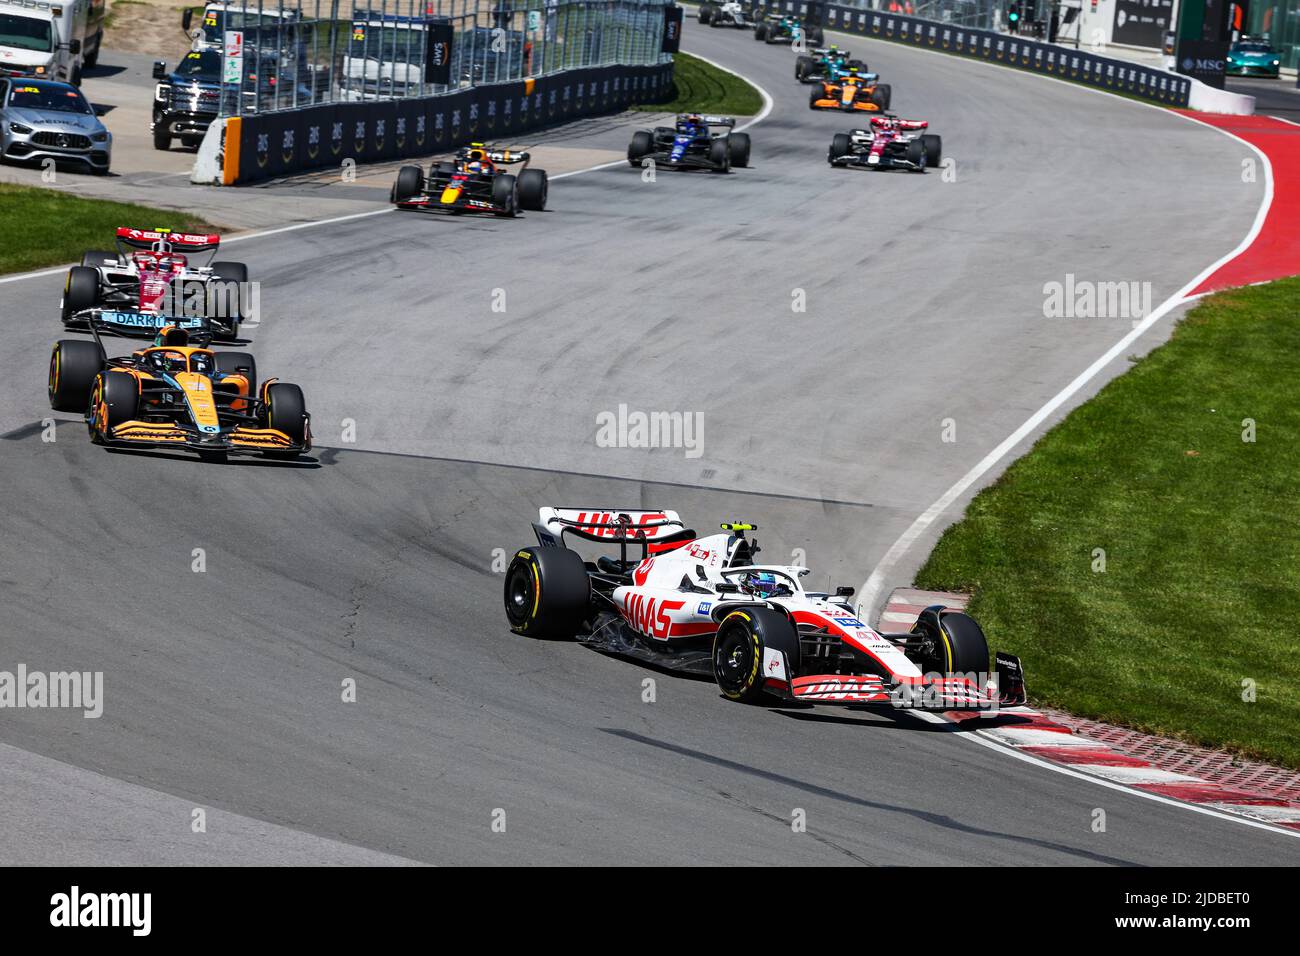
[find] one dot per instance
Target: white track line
(875, 581)
(918, 527)
(767, 108)
(978, 738)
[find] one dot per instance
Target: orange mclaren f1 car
(179, 393)
(852, 92)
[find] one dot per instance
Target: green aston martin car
(1253, 56)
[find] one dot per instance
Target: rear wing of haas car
(652, 531)
(180, 241)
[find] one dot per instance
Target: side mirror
(159, 69)
(726, 588)
(844, 591)
(74, 46)
(187, 18)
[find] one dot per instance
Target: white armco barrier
(207, 164)
(1207, 99)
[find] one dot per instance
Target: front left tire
(738, 651)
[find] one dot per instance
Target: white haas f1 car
(702, 605)
(889, 143)
(150, 275)
(728, 14)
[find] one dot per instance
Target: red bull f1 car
(476, 180)
(178, 393)
(889, 143)
(852, 92)
(693, 143)
(150, 274)
(670, 598)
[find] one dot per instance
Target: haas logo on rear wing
(609, 524)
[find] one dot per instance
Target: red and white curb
(1157, 766)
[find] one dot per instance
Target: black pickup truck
(186, 101)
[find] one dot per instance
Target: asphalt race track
(373, 560)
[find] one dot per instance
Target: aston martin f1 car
(726, 14)
(692, 144)
(889, 143)
(853, 91)
(476, 180)
(778, 28)
(178, 393)
(149, 275)
(825, 65)
(703, 605)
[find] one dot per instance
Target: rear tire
(738, 651)
(547, 592)
(74, 363)
(81, 291)
(233, 275)
(642, 145)
(533, 188)
(760, 32)
(738, 149)
(815, 36)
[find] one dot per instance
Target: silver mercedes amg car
(44, 119)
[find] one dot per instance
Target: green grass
(1201, 533)
(69, 225)
(701, 88)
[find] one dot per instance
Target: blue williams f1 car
(691, 144)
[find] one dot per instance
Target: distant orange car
(853, 92)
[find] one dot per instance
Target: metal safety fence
(275, 55)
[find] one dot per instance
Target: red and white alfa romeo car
(151, 278)
(702, 604)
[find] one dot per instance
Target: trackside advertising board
(1049, 59)
(277, 144)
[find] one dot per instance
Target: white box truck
(50, 39)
